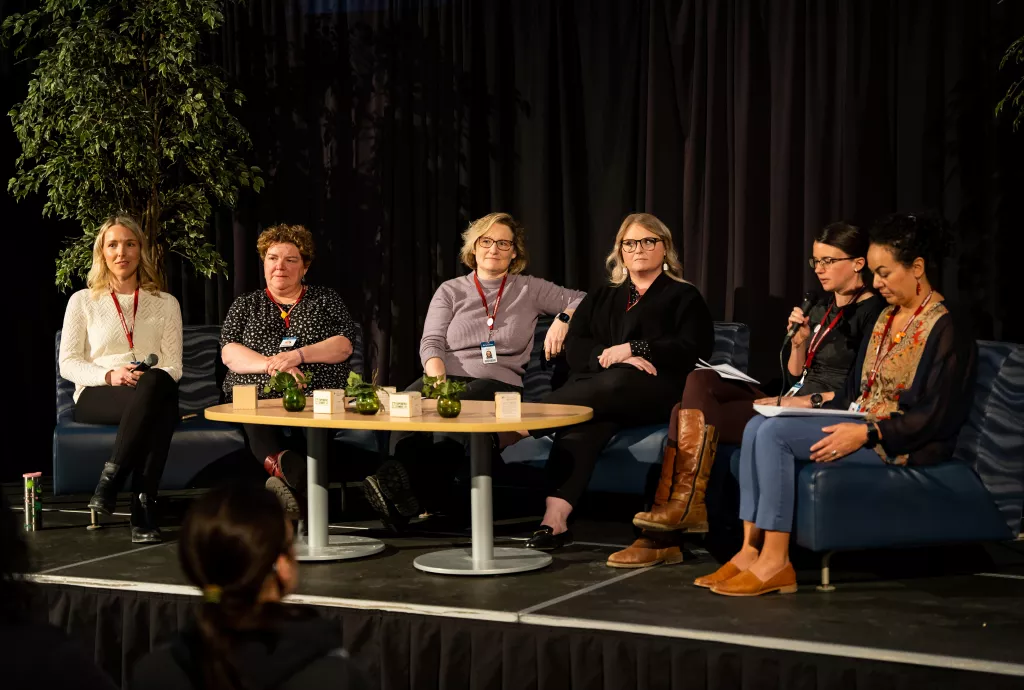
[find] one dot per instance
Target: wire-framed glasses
(827, 262)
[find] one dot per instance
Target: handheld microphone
(805, 307)
(150, 362)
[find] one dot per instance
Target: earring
(919, 286)
(664, 266)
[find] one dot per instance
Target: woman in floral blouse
(913, 379)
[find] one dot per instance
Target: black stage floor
(945, 610)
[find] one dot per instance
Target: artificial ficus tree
(124, 115)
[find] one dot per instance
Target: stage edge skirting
(446, 648)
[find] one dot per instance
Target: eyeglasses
(826, 262)
(488, 242)
(649, 243)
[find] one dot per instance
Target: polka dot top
(255, 322)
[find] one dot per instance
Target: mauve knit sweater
(456, 324)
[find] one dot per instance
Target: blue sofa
(631, 462)
(977, 496)
(79, 450)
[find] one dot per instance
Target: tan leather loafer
(746, 584)
(644, 553)
(721, 575)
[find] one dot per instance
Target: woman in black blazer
(630, 347)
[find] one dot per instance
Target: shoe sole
(102, 510)
(284, 494)
(699, 528)
(148, 540)
(784, 589)
(666, 561)
(375, 496)
(393, 481)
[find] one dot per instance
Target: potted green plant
(292, 396)
(365, 393)
(447, 393)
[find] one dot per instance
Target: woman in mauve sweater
(479, 330)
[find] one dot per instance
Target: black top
(300, 650)
(671, 324)
(838, 350)
(255, 321)
(935, 406)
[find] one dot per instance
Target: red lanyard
(286, 315)
(819, 335)
(129, 334)
(880, 357)
(497, 302)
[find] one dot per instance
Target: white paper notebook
(773, 411)
(727, 372)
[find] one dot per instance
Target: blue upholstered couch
(632, 458)
(79, 450)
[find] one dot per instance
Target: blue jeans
(772, 447)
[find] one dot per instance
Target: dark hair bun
(913, 235)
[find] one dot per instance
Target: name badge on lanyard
(488, 350)
(288, 342)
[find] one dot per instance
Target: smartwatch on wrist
(817, 400)
(563, 317)
(873, 437)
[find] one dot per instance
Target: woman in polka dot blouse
(288, 326)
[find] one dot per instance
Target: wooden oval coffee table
(477, 419)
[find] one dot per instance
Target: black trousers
(145, 417)
(432, 458)
(621, 397)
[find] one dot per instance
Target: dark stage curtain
(386, 126)
(402, 651)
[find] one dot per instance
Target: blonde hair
(98, 279)
(478, 228)
(287, 234)
(617, 271)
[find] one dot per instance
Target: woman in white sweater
(115, 333)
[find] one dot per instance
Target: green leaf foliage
(442, 387)
(1014, 98)
(282, 381)
(124, 115)
(355, 386)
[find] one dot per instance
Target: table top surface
(476, 416)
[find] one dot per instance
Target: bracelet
(302, 359)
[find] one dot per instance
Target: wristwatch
(563, 317)
(873, 437)
(817, 400)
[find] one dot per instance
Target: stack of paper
(727, 372)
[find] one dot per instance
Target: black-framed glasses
(826, 262)
(649, 243)
(488, 242)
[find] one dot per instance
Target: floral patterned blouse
(922, 392)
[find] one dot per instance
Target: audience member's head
(235, 546)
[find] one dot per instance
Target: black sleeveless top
(838, 351)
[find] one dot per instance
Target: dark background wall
(386, 126)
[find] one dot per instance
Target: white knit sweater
(93, 341)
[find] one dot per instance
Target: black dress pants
(432, 458)
(145, 417)
(621, 397)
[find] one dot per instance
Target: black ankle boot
(144, 520)
(105, 496)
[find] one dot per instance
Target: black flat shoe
(144, 520)
(544, 539)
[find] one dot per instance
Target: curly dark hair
(912, 235)
(291, 234)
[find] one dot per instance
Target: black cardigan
(671, 317)
(936, 405)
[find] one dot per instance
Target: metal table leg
(319, 545)
(483, 558)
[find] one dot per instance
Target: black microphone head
(151, 360)
(810, 297)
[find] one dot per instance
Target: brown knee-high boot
(652, 548)
(685, 509)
